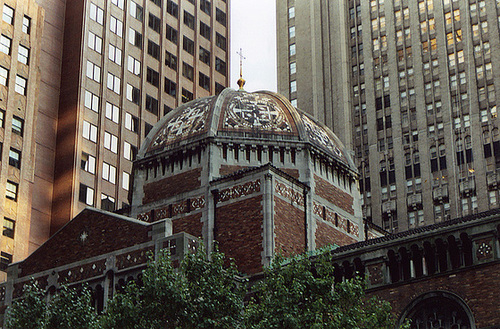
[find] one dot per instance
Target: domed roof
(238, 114)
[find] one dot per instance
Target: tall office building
(81, 84)
(410, 86)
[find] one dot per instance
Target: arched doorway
(439, 310)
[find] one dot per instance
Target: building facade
(410, 86)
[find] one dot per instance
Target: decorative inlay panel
(289, 193)
(339, 222)
(484, 249)
(239, 191)
(319, 136)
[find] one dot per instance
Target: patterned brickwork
(327, 234)
(289, 228)
(173, 185)
(133, 258)
(83, 272)
(190, 224)
(341, 223)
(238, 191)
(334, 195)
(289, 193)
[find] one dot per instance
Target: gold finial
(241, 81)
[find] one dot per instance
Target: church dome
(261, 115)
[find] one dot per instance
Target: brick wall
(478, 287)
(326, 234)
(289, 228)
(333, 194)
(226, 170)
(173, 185)
(292, 172)
(190, 224)
(239, 233)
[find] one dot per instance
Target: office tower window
(291, 32)
(2, 120)
(23, 54)
(147, 129)
(11, 190)
(114, 83)
(220, 66)
(116, 26)
(171, 60)
(220, 41)
(172, 8)
(220, 16)
(126, 181)
(134, 65)
(26, 24)
(151, 104)
(186, 95)
(218, 88)
(153, 77)
(4, 76)
(153, 49)
(188, 45)
(294, 102)
(107, 202)
(291, 12)
(5, 260)
(129, 151)
(293, 86)
(136, 11)
(131, 122)
(118, 3)
(187, 71)
(110, 142)
(88, 163)
(205, 31)
(154, 23)
(293, 68)
(21, 85)
(115, 54)
(17, 125)
(170, 87)
(109, 173)
(89, 131)
(8, 14)
(292, 49)
(166, 109)
(8, 227)
(204, 56)
(95, 42)
(93, 72)
(133, 94)
(204, 81)
(91, 101)
(96, 13)
(86, 194)
(189, 20)
(112, 112)
(135, 38)
(15, 158)
(5, 44)
(171, 34)
(205, 6)
(157, 2)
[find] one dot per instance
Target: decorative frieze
(83, 272)
(331, 216)
(239, 191)
(289, 193)
(133, 258)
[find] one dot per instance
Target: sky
(253, 29)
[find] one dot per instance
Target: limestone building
(410, 87)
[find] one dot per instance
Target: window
(131, 122)
(186, 95)
(187, 71)
(5, 260)
(4, 76)
(188, 45)
(171, 34)
(157, 2)
(93, 72)
(293, 86)
(166, 109)
(151, 104)
(96, 13)
(205, 6)
(21, 85)
(204, 81)
(220, 66)
(26, 24)
(118, 3)
(136, 11)
(91, 101)
(291, 12)
(107, 202)
(220, 41)
(9, 227)
(204, 56)
(8, 14)
(135, 38)
(189, 20)
(88, 163)
(89, 131)
(172, 8)
(5, 43)
(114, 83)
(126, 181)
(110, 142)
(153, 49)
(86, 195)
(129, 151)
(293, 68)
(23, 54)
(112, 112)
(292, 49)
(17, 125)
(291, 32)
(116, 26)
(109, 173)
(95, 42)
(134, 65)
(15, 158)
(133, 94)
(171, 60)
(170, 87)
(2, 122)
(220, 16)
(153, 77)
(11, 190)
(147, 128)
(115, 54)
(205, 30)
(154, 23)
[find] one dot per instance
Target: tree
(300, 293)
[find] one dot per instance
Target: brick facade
(173, 185)
(225, 170)
(190, 224)
(289, 228)
(334, 195)
(327, 234)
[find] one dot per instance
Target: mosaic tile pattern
(319, 136)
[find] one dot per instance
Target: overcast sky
(253, 28)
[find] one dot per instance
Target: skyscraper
(410, 86)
